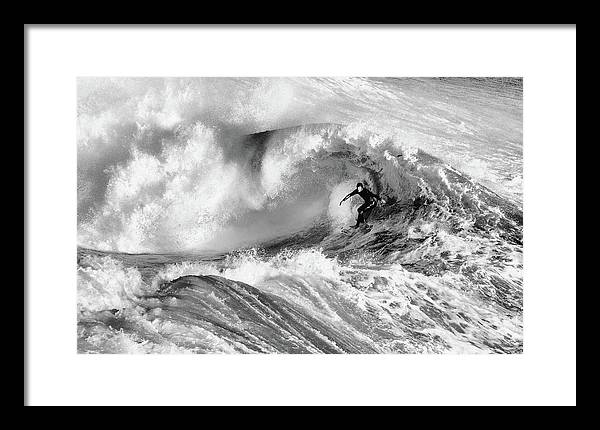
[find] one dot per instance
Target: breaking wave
(205, 193)
(439, 271)
(210, 239)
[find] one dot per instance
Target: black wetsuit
(370, 202)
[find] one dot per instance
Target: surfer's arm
(348, 196)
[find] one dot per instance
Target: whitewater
(209, 217)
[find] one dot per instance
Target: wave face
(209, 195)
(201, 238)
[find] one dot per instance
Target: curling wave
(441, 269)
(205, 193)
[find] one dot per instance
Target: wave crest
(210, 192)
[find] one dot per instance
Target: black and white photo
(300, 215)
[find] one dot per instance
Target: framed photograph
(316, 212)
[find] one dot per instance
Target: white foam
(103, 284)
(341, 215)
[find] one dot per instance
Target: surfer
(369, 198)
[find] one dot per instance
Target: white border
(544, 374)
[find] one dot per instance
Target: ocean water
(209, 217)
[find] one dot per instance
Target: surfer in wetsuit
(369, 198)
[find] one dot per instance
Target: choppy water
(198, 235)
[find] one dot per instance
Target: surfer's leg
(365, 212)
(361, 218)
